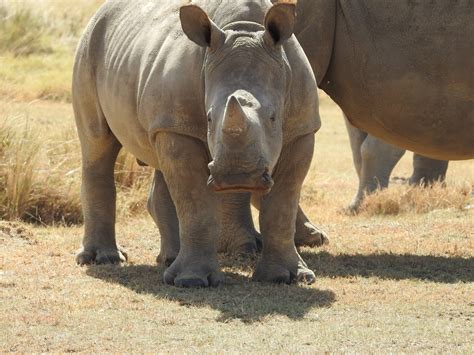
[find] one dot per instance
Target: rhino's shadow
(438, 269)
(239, 298)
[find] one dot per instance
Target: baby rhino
(225, 105)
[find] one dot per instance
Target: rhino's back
(403, 71)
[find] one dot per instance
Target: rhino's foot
(284, 273)
(166, 257)
(310, 235)
(243, 243)
(354, 207)
(100, 255)
(190, 272)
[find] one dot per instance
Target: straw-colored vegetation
(415, 199)
(397, 277)
(37, 39)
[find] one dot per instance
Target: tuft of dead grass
(40, 171)
(18, 157)
(401, 199)
(133, 182)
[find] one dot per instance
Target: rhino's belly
(440, 131)
(408, 108)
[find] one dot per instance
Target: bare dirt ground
(400, 283)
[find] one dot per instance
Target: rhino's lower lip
(238, 189)
(242, 183)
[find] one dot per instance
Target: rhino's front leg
(183, 161)
(280, 260)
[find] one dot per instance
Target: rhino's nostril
(210, 180)
(266, 178)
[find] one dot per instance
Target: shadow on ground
(239, 298)
(392, 266)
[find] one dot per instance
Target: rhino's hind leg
(280, 260)
(237, 233)
(308, 234)
(377, 162)
(427, 171)
(98, 201)
(161, 208)
(183, 161)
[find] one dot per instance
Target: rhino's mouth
(257, 182)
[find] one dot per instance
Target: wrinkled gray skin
(238, 103)
(374, 161)
(400, 70)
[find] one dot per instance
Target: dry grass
(40, 167)
(396, 278)
(37, 42)
(401, 199)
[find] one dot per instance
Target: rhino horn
(235, 120)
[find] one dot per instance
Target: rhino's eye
(272, 118)
(209, 119)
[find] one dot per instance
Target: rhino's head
(246, 78)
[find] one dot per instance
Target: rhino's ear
(199, 28)
(280, 22)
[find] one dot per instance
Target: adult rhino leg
(99, 153)
(237, 232)
(377, 162)
(426, 171)
(161, 208)
(356, 138)
(183, 161)
(280, 260)
(308, 234)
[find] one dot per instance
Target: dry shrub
(18, 160)
(40, 174)
(31, 185)
(416, 199)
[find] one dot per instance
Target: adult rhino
(374, 161)
(400, 70)
(238, 102)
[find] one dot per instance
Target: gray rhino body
(400, 70)
(374, 161)
(238, 102)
